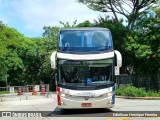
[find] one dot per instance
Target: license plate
(86, 105)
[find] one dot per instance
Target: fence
(28, 90)
(149, 82)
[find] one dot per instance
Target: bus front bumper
(72, 104)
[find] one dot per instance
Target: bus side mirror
(119, 58)
(53, 60)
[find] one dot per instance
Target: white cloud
(3, 19)
(29, 16)
(37, 13)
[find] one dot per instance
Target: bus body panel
(74, 99)
(71, 104)
(99, 56)
(88, 51)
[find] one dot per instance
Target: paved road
(49, 104)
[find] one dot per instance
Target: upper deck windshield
(85, 40)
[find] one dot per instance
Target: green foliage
(9, 58)
(135, 92)
(144, 46)
(118, 31)
(27, 60)
(140, 50)
(152, 93)
(24, 60)
(4, 92)
(51, 36)
(85, 24)
(134, 11)
(131, 91)
(67, 25)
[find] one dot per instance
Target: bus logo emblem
(89, 80)
(86, 97)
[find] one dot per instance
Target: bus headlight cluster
(107, 94)
(65, 95)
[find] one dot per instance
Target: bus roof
(85, 28)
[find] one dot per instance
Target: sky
(30, 16)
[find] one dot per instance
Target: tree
(143, 44)
(10, 61)
(119, 33)
(50, 36)
(25, 60)
(130, 9)
(21, 58)
(85, 24)
(67, 25)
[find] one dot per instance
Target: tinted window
(81, 41)
(99, 71)
(85, 75)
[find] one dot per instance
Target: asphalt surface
(48, 107)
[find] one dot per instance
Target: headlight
(109, 94)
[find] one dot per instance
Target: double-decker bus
(84, 64)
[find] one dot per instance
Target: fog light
(109, 102)
(63, 95)
(63, 103)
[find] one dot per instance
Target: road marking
(110, 118)
(125, 118)
(114, 118)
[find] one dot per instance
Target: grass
(136, 92)
(7, 92)
(4, 92)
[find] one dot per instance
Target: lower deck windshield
(85, 75)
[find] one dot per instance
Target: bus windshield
(85, 40)
(95, 74)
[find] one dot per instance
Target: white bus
(85, 67)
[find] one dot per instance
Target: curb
(143, 98)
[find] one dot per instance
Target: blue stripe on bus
(113, 96)
(113, 88)
(113, 99)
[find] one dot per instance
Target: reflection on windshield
(85, 40)
(71, 74)
(86, 72)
